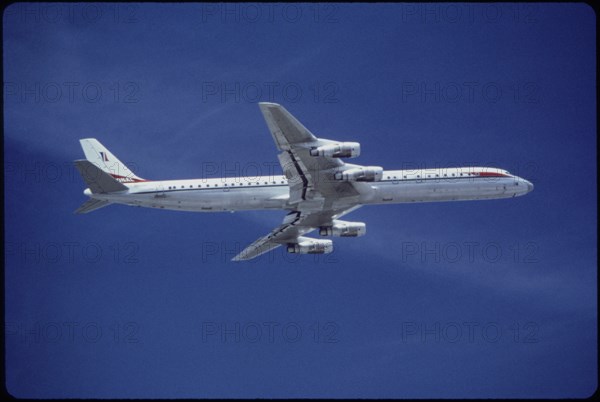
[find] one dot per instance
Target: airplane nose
(529, 186)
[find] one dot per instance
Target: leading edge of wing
(257, 248)
(287, 232)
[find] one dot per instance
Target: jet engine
(367, 173)
(341, 150)
(311, 246)
(344, 229)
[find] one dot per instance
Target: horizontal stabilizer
(97, 180)
(91, 205)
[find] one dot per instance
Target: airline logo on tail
(112, 166)
(124, 179)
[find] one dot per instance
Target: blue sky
(468, 299)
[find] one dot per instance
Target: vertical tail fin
(97, 154)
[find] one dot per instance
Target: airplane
(316, 189)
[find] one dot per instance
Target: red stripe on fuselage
(491, 174)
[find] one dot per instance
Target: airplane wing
(295, 224)
(316, 197)
(311, 178)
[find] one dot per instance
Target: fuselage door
(160, 191)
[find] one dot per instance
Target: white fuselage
(272, 192)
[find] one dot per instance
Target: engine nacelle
(341, 150)
(344, 229)
(367, 173)
(312, 246)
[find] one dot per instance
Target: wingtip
(237, 258)
(243, 256)
(268, 104)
